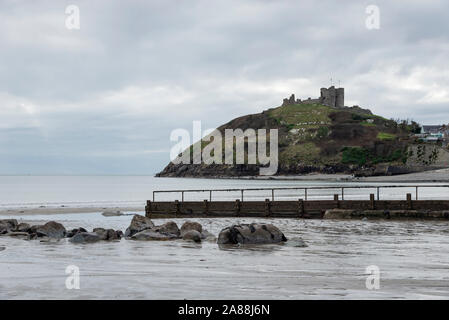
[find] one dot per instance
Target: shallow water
(413, 258)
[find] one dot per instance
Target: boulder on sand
(108, 234)
(255, 233)
(112, 213)
(138, 224)
(51, 229)
(72, 232)
(23, 227)
(167, 231)
(85, 237)
(192, 235)
(190, 225)
(170, 228)
(8, 225)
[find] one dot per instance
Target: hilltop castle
(331, 97)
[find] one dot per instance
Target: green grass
(355, 155)
(386, 136)
(303, 152)
(367, 124)
(302, 115)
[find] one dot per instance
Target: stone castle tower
(331, 97)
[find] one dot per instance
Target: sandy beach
(66, 210)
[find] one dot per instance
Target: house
(434, 133)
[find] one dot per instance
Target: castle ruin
(331, 97)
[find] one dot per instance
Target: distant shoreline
(439, 175)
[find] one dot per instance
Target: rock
(23, 227)
(85, 237)
(190, 225)
(72, 232)
(102, 233)
(138, 224)
(51, 229)
(206, 235)
(114, 235)
(192, 235)
(2, 248)
(112, 213)
(170, 228)
(16, 234)
(338, 214)
(150, 234)
(109, 234)
(34, 228)
(8, 225)
(251, 234)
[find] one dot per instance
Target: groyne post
(371, 201)
(177, 209)
(206, 207)
(336, 200)
(148, 209)
(409, 201)
(301, 208)
(237, 206)
(267, 207)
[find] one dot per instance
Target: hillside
(314, 137)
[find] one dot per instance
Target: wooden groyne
(302, 208)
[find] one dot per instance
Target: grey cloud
(107, 96)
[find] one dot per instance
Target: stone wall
(330, 97)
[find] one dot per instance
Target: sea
(354, 259)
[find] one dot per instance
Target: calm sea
(99, 191)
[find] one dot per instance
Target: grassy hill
(317, 138)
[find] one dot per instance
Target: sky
(104, 98)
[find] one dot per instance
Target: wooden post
(272, 194)
(305, 194)
(342, 193)
(237, 206)
(301, 208)
(210, 195)
(336, 200)
(206, 207)
(177, 210)
(377, 193)
(148, 209)
(242, 195)
(371, 200)
(416, 193)
(182, 196)
(409, 201)
(267, 207)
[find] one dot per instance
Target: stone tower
(332, 97)
(340, 98)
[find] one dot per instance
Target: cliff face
(317, 138)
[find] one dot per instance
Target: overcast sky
(103, 99)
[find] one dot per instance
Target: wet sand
(440, 175)
(65, 210)
(412, 257)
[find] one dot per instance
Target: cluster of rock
(142, 228)
(254, 233)
(54, 231)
